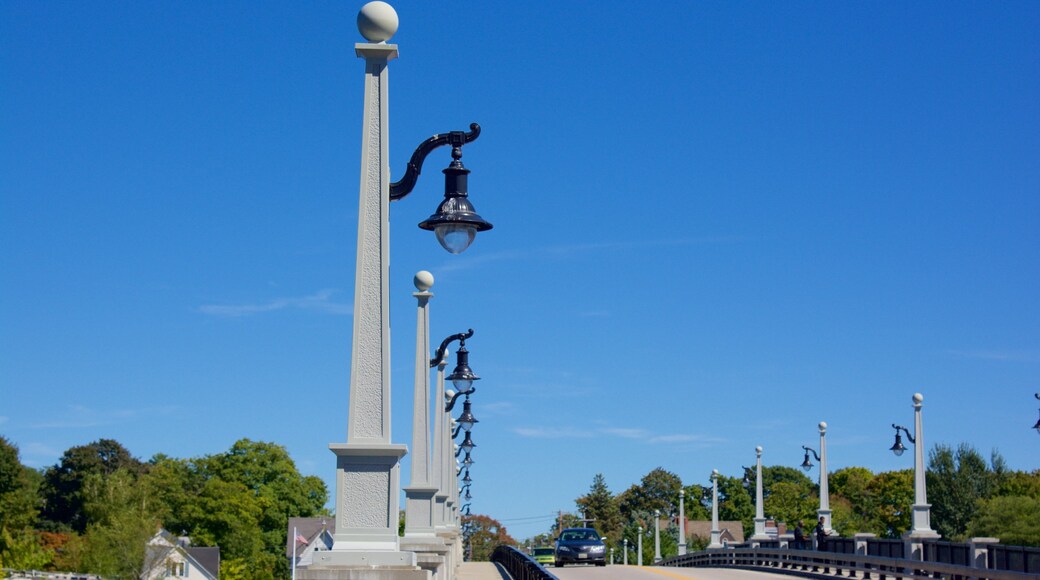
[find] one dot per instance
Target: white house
(306, 536)
(168, 556)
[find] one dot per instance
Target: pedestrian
(799, 536)
(821, 536)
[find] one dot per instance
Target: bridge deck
(480, 571)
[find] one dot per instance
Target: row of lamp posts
(921, 524)
(365, 540)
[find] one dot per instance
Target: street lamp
(1037, 426)
(657, 536)
(625, 541)
(760, 517)
(824, 512)
(368, 464)
(420, 507)
(716, 534)
(682, 522)
(922, 527)
(639, 552)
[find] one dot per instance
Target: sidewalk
(480, 571)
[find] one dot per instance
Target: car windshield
(543, 551)
(579, 535)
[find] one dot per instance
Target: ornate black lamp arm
(905, 430)
(811, 450)
(455, 433)
(461, 337)
(456, 139)
(451, 403)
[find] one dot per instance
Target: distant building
(306, 536)
(168, 556)
(730, 532)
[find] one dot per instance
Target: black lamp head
(467, 444)
(466, 419)
(806, 464)
(455, 222)
(897, 447)
(462, 377)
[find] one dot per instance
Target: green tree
(893, 494)
(63, 483)
(657, 490)
(695, 505)
(1020, 483)
(602, 507)
(735, 503)
(956, 481)
(19, 490)
(851, 501)
(121, 519)
(23, 551)
(1013, 519)
(791, 502)
(267, 471)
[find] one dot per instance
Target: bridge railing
(519, 565)
(830, 564)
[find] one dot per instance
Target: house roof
(206, 557)
(309, 528)
(702, 528)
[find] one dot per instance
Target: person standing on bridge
(799, 536)
(821, 536)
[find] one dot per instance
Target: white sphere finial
(918, 398)
(377, 21)
(423, 280)
(714, 472)
(823, 426)
(758, 450)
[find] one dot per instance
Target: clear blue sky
(716, 224)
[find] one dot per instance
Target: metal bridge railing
(519, 565)
(830, 564)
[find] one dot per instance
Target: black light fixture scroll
(462, 377)
(455, 222)
(898, 447)
(1037, 426)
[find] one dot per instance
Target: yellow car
(544, 556)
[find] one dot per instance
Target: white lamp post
(716, 534)
(760, 518)
(682, 522)
(625, 554)
(824, 512)
(657, 536)
(921, 527)
(368, 464)
(419, 505)
(441, 453)
(640, 551)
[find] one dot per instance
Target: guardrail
(830, 564)
(519, 565)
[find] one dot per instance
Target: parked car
(580, 546)
(545, 555)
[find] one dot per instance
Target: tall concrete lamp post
(760, 517)
(639, 555)
(682, 522)
(825, 505)
(368, 464)
(657, 536)
(921, 527)
(716, 534)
